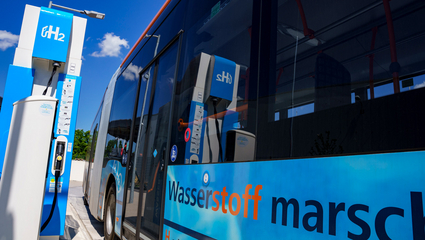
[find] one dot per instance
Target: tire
(109, 215)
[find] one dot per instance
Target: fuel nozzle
(60, 147)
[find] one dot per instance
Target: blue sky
(107, 42)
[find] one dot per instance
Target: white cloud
(7, 40)
(110, 46)
(420, 85)
(131, 72)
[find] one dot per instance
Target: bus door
(90, 160)
(91, 153)
(146, 176)
(135, 188)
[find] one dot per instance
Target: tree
(81, 142)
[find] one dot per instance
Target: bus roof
(146, 31)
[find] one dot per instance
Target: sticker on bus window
(215, 9)
(173, 153)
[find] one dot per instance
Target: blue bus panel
(375, 196)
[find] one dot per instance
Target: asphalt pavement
(79, 223)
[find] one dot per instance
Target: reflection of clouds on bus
(420, 85)
(132, 72)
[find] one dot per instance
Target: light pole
(92, 14)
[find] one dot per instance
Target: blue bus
(255, 119)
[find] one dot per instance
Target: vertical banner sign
(53, 34)
(195, 136)
(377, 196)
(65, 106)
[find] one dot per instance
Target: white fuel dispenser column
(24, 171)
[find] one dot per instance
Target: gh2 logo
(225, 76)
(57, 36)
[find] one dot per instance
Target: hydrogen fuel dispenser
(37, 124)
(210, 133)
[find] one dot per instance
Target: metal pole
(307, 31)
(371, 56)
(67, 8)
(349, 35)
(395, 66)
(333, 25)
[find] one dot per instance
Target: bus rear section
(269, 119)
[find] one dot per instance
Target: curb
(80, 222)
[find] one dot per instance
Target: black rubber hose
(57, 174)
(217, 127)
(55, 66)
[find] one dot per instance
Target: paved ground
(79, 223)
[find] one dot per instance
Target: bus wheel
(109, 215)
